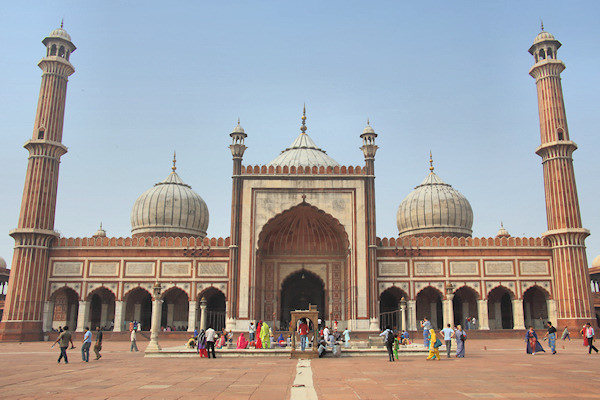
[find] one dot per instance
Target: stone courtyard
(496, 368)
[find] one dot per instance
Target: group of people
(65, 338)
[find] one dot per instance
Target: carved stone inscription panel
(67, 269)
(176, 268)
(104, 268)
(464, 268)
(499, 268)
(429, 268)
(393, 268)
(534, 267)
(139, 269)
(212, 269)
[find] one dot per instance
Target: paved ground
(492, 369)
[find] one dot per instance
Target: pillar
(412, 315)
(403, 317)
(48, 316)
(203, 313)
(518, 320)
(498, 315)
(465, 311)
(137, 312)
(156, 317)
(551, 306)
(83, 315)
(119, 315)
(448, 311)
(193, 309)
(482, 314)
(72, 321)
(528, 317)
(433, 315)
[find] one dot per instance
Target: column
(119, 315)
(528, 317)
(156, 317)
(518, 320)
(72, 322)
(482, 314)
(403, 318)
(465, 313)
(448, 312)
(203, 313)
(412, 315)
(193, 309)
(83, 315)
(48, 316)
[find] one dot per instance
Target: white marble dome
(2, 263)
(302, 153)
(60, 33)
(170, 208)
(596, 262)
(434, 208)
(542, 36)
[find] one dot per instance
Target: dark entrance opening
(298, 291)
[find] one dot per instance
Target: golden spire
(174, 161)
(303, 127)
(430, 162)
(542, 23)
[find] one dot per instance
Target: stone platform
(362, 351)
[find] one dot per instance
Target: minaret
(565, 232)
(237, 148)
(22, 319)
(369, 149)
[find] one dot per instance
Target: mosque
(303, 231)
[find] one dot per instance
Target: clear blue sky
(153, 77)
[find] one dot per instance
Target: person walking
(63, 340)
(86, 344)
(460, 337)
(566, 335)
(346, 334)
(202, 344)
(265, 336)
(133, 339)
(533, 344)
(303, 331)
(388, 335)
(448, 333)
(589, 334)
(434, 346)
(426, 325)
(98, 345)
(551, 336)
(210, 341)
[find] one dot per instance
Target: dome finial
(368, 121)
(542, 24)
(174, 161)
(430, 161)
(62, 20)
(303, 127)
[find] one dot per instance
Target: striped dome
(434, 208)
(170, 208)
(302, 153)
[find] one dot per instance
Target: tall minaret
(237, 148)
(369, 149)
(22, 319)
(565, 232)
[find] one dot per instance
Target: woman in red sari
(242, 343)
(585, 341)
(532, 342)
(258, 342)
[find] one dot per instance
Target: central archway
(298, 291)
(302, 241)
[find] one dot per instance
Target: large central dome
(304, 152)
(170, 208)
(434, 208)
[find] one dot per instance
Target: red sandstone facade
(300, 234)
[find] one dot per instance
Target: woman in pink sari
(220, 342)
(242, 343)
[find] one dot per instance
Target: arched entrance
(102, 309)
(500, 312)
(389, 308)
(429, 305)
(215, 309)
(138, 308)
(66, 307)
(298, 291)
(175, 309)
(535, 309)
(302, 240)
(464, 304)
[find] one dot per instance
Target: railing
(215, 319)
(390, 318)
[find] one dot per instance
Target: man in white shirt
(251, 331)
(326, 333)
(210, 341)
(589, 333)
